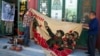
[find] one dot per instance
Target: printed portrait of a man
(7, 12)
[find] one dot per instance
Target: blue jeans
(26, 36)
(91, 44)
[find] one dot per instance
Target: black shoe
(87, 52)
(5, 47)
(26, 45)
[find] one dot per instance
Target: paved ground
(79, 52)
(33, 50)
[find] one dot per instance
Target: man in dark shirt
(92, 33)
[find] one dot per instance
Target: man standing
(26, 24)
(92, 32)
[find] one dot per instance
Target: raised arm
(48, 29)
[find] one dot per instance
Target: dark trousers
(26, 36)
(92, 44)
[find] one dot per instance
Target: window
(56, 9)
(71, 10)
(0, 7)
(44, 7)
(86, 8)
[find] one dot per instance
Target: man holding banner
(92, 33)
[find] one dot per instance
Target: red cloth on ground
(43, 43)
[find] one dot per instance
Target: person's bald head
(92, 15)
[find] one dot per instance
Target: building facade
(59, 7)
